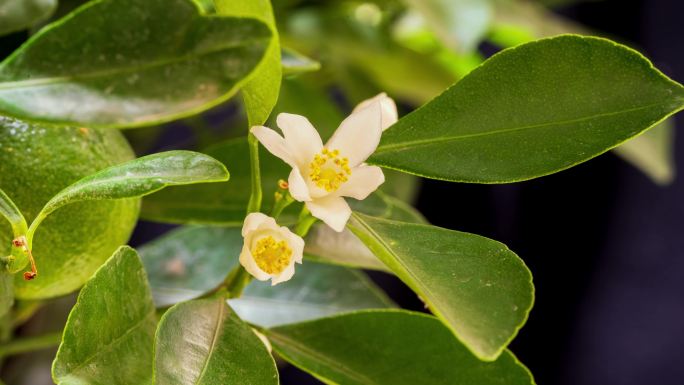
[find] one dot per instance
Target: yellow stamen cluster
(272, 256)
(329, 170)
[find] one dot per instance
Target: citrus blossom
(269, 251)
(322, 175)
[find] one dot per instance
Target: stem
(237, 281)
(254, 204)
(305, 222)
(29, 344)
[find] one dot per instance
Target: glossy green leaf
(110, 328)
(189, 261)
(11, 212)
(294, 63)
(166, 61)
(344, 248)
(653, 152)
(220, 203)
(389, 347)
(16, 15)
(203, 342)
(137, 178)
(261, 92)
(480, 289)
(521, 22)
(531, 111)
(6, 292)
(315, 291)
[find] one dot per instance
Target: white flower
(269, 251)
(322, 175)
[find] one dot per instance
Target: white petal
(332, 210)
(296, 243)
(362, 181)
(297, 186)
(254, 220)
(358, 135)
(301, 138)
(389, 109)
(247, 261)
(284, 276)
(274, 143)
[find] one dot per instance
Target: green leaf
(478, 287)
(653, 152)
(137, 178)
(261, 92)
(294, 63)
(110, 328)
(218, 203)
(18, 258)
(189, 261)
(166, 61)
(6, 292)
(16, 15)
(203, 342)
(531, 111)
(344, 248)
(389, 347)
(315, 291)
(11, 212)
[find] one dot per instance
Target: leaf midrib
(121, 70)
(214, 340)
(110, 345)
(332, 365)
(425, 142)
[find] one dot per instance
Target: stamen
(328, 170)
(272, 256)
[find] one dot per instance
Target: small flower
(269, 251)
(323, 174)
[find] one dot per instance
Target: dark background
(604, 243)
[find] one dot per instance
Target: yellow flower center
(272, 256)
(329, 170)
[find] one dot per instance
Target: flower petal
(296, 243)
(254, 220)
(388, 107)
(284, 276)
(363, 180)
(358, 135)
(297, 186)
(247, 261)
(301, 138)
(274, 143)
(332, 210)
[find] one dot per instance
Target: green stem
(236, 282)
(281, 201)
(29, 344)
(254, 204)
(305, 222)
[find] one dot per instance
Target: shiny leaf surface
(389, 347)
(203, 342)
(480, 289)
(117, 297)
(164, 62)
(531, 111)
